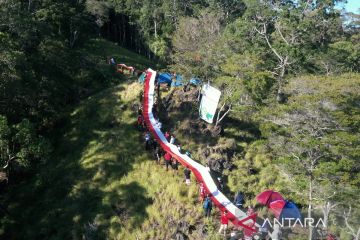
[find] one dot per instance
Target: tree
(228, 98)
(352, 23)
(194, 43)
(352, 230)
(306, 150)
(231, 9)
(21, 147)
(243, 81)
(285, 35)
(100, 10)
(346, 54)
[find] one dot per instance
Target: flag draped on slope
(236, 216)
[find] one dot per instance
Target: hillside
(73, 163)
(99, 182)
(100, 176)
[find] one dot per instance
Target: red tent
(276, 207)
(268, 197)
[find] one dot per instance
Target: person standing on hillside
(172, 139)
(112, 61)
(207, 168)
(140, 120)
(154, 144)
(147, 140)
(220, 184)
(207, 206)
(224, 221)
(167, 158)
(179, 148)
(187, 173)
(141, 96)
(158, 154)
(140, 110)
(276, 234)
(167, 135)
(239, 199)
(158, 124)
(174, 166)
(250, 211)
(202, 192)
(155, 112)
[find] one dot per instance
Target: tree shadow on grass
(241, 131)
(132, 203)
(70, 195)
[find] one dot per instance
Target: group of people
(153, 146)
(170, 162)
(224, 219)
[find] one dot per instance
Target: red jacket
(167, 136)
(224, 219)
(167, 156)
(140, 120)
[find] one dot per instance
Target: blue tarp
(169, 79)
(164, 78)
(178, 82)
(195, 81)
(290, 210)
(142, 77)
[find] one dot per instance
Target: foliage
(313, 143)
(252, 173)
(193, 44)
(346, 53)
(21, 148)
(259, 85)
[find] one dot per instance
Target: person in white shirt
(112, 61)
(276, 234)
(147, 138)
(172, 139)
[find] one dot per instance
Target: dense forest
(288, 118)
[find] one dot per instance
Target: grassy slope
(100, 48)
(100, 182)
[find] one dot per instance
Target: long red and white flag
(236, 215)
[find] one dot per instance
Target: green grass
(97, 73)
(102, 49)
(100, 175)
